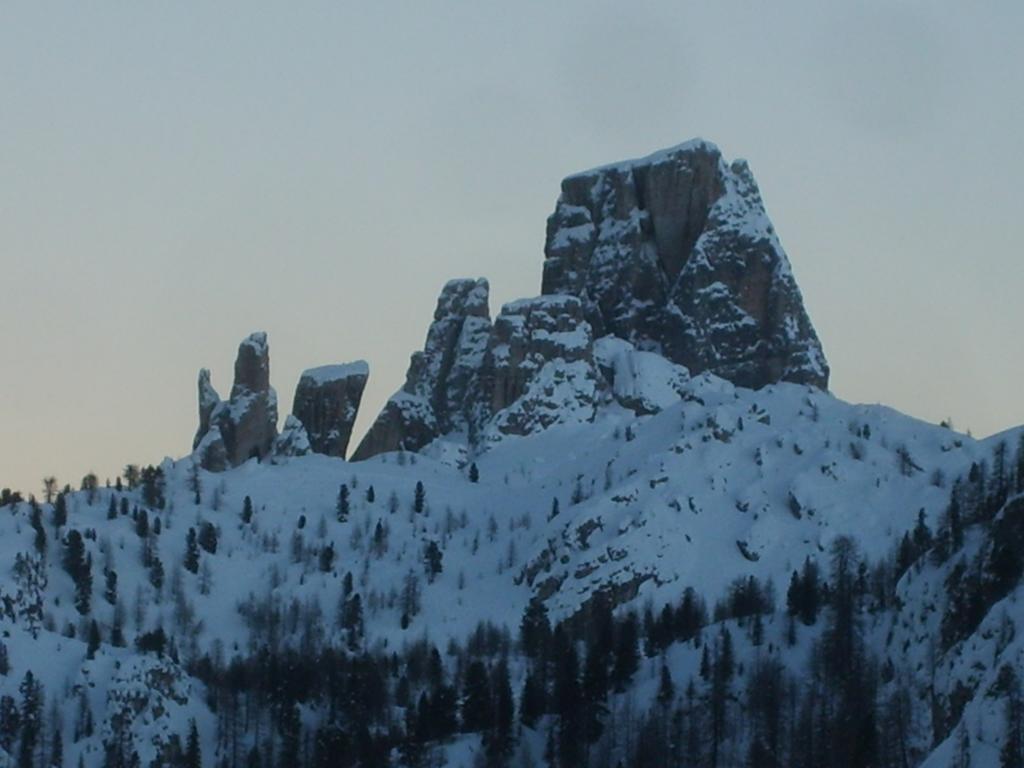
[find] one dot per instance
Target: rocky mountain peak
(675, 253)
(233, 431)
(438, 396)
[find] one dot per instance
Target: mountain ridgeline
(621, 523)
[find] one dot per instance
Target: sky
(176, 175)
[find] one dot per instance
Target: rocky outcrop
(327, 402)
(439, 395)
(293, 440)
(675, 254)
(244, 426)
(654, 269)
(539, 366)
(643, 382)
(208, 400)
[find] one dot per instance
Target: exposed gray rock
(675, 253)
(208, 400)
(539, 367)
(327, 403)
(243, 427)
(439, 394)
(293, 440)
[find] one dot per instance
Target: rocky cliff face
(539, 367)
(327, 402)
(438, 397)
(675, 253)
(655, 269)
(235, 430)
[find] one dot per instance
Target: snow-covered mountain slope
(725, 483)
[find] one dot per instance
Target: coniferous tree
(477, 705)
(342, 508)
(60, 511)
(191, 561)
(30, 719)
(568, 702)
(36, 521)
(627, 654)
(77, 564)
(474, 473)
(419, 498)
(535, 629)
(193, 753)
(533, 701)
(207, 537)
(247, 510)
(499, 744)
(1011, 754)
(142, 524)
(94, 639)
(432, 558)
(10, 723)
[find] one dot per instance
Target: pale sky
(176, 175)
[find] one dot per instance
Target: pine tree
(477, 704)
(30, 717)
(142, 524)
(110, 593)
(499, 744)
(77, 564)
(192, 551)
(112, 508)
(60, 511)
(474, 473)
(193, 754)
(568, 701)
(1011, 755)
(627, 654)
(419, 498)
(194, 484)
(535, 629)
(533, 701)
(207, 537)
(94, 639)
(156, 574)
(666, 688)
(371, 495)
(247, 510)
(554, 509)
(343, 503)
(10, 723)
(36, 521)
(432, 557)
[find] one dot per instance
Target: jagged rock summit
(438, 396)
(327, 402)
(674, 253)
(655, 269)
(244, 426)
